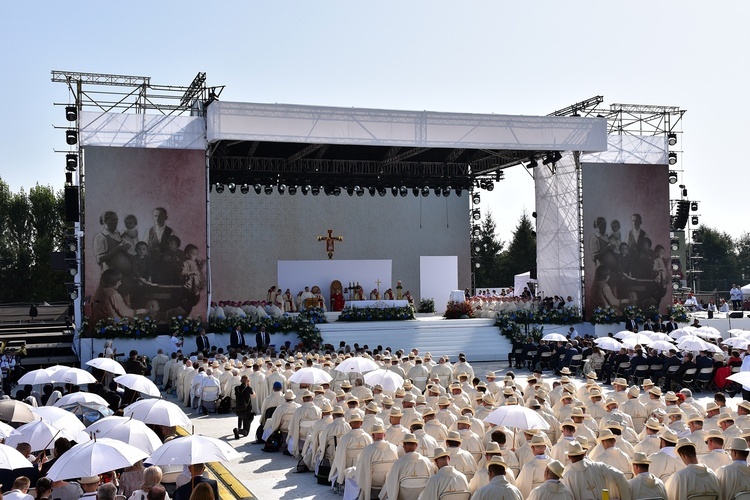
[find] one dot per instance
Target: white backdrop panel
(381, 127)
(438, 276)
(632, 150)
(297, 274)
(142, 130)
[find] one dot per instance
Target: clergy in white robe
(586, 479)
(282, 416)
(612, 455)
(532, 473)
(552, 488)
(380, 451)
(310, 449)
(302, 421)
(694, 478)
(735, 477)
(412, 464)
(644, 484)
(447, 479)
(348, 448)
(665, 462)
(498, 488)
(461, 459)
(260, 387)
(330, 436)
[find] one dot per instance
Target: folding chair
(378, 471)
(410, 487)
(703, 379)
(622, 369)
(544, 360)
(640, 373)
(455, 495)
(654, 372)
(209, 397)
(576, 362)
(530, 357)
(687, 378)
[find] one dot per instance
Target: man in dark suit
(670, 325)
(202, 342)
(237, 339)
(631, 325)
(196, 473)
(262, 339)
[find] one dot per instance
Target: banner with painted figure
(626, 237)
(145, 234)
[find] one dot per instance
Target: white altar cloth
(379, 304)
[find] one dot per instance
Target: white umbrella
(128, 430)
(108, 365)
(138, 383)
(737, 331)
(36, 377)
(80, 397)
(74, 376)
(622, 334)
(662, 345)
(637, 339)
(738, 342)
(310, 376)
(386, 378)
(93, 458)
(742, 378)
(659, 336)
(357, 364)
(518, 417)
(10, 458)
(5, 430)
(158, 412)
(60, 418)
(693, 343)
(189, 450)
(41, 435)
(555, 337)
(707, 332)
(680, 332)
(608, 344)
(15, 411)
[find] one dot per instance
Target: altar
(377, 304)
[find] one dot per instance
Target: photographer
(244, 408)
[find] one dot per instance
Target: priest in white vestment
(310, 449)
(735, 477)
(380, 451)
(586, 479)
(552, 488)
(447, 479)
(347, 448)
(644, 484)
(411, 465)
(498, 487)
(694, 478)
(302, 421)
(532, 473)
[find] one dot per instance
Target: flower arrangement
(376, 314)
(186, 326)
(652, 312)
(313, 315)
(605, 316)
(125, 327)
(679, 313)
(634, 311)
(426, 306)
(458, 310)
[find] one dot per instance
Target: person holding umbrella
(196, 478)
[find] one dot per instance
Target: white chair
(209, 397)
(378, 471)
(703, 496)
(742, 495)
(410, 487)
(455, 495)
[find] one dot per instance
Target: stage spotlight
(327, 190)
(458, 192)
(476, 199)
(244, 189)
(394, 191)
(350, 191)
(672, 177)
(73, 269)
(281, 188)
(381, 191)
(557, 156)
(675, 264)
(675, 284)
(672, 138)
(71, 162)
(268, 190)
(71, 137)
(403, 191)
(532, 163)
(71, 113)
(476, 214)
(425, 191)
(292, 190)
(447, 191)
(415, 191)
(336, 191)
(476, 231)
(477, 265)
(305, 189)
(371, 190)
(694, 206)
(232, 187)
(219, 187)
(315, 190)
(694, 220)
(549, 158)
(73, 294)
(438, 191)
(69, 179)
(489, 186)
(675, 244)
(359, 190)
(672, 158)
(684, 192)
(258, 188)
(477, 249)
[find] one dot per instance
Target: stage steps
(47, 343)
(478, 338)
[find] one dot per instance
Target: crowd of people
(489, 305)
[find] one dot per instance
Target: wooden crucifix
(330, 239)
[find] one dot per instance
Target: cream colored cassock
(646, 485)
(446, 480)
(355, 439)
(692, 480)
(380, 451)
(302, 421)
(586, 479)
(410, 465)
(733, 478)
(260, 389)
(715, 459)
(326, 440)
(551, 490)
(664, 463)
(532, 474)
(310, 449)
(498, 489)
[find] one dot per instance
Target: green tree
(47, 218)
(521, 253)
(742, 246)
(486, 249)
(717, 259)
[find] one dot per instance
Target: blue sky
(483, 57)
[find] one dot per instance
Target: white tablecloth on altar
(379, 304)
(457, 296)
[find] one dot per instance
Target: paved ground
(271, 475)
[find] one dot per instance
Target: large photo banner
(626, 237)
(145, 234)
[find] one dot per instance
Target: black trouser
(244, 419)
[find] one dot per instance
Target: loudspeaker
(735, 314)
(71, 204)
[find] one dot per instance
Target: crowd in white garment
(490, 305)
(429, 436)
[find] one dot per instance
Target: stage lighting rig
(359, 191)
(476, 199)
(292, 190)
(447, 191)
(672, 139)
(403, 191)
(372, 190)
(438, 191)
(71, 162)
(268, 190)
(219, 187)
(694, 206)
(694, 220)
(415, 191)
(71, 137)
(232, 187)
(672, 158)
(336, 191)
(315, 190)
(476, 231)
(672, 177)
(476, 214)
(425, 191)
(71, 113)
(258, 188)
(281, 188)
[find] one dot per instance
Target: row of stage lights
(332, 191)
(672, 158)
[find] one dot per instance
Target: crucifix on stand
(330, 239)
